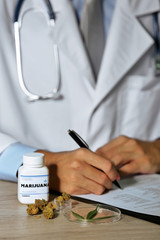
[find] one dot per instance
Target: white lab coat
(125, 100)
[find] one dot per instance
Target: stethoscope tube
(17, 10)
(156, 32)
(50, 10)
(48, 4)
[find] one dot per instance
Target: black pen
(83, 144)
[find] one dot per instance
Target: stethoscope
(55, 93)
(156, 32)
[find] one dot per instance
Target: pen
(83, 144)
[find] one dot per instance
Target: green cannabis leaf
(92, 214)
(77, 215)
(101, 218)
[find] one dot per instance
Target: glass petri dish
(105, 214)
(60, 205)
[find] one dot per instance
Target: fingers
(122, 158)
(81, 191)
(98, 162)
(124, 153)
(129, 169)
(84, 185)
(79, 183)
(112, 144)
(97, 176)
(132, 156)
(118, 146)
(80, 172)
(124, 150)
(89, 177)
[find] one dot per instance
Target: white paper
(139, 194)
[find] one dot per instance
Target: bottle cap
(33, 159)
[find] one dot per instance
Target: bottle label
(34, 186)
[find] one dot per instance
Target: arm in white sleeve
(11, 159)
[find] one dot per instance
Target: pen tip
(117, 184)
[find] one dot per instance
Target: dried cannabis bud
(32, 209)
(48, 212)
(60, 200)
(41, 204)
(51, 205)
(66, 196)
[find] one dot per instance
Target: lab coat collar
(119, 57)
(144, 7)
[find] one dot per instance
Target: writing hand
(80, 172)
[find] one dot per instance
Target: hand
(79, 172)
(132, 156)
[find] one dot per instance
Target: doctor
(109, 110)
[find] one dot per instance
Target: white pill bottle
(33, 179)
